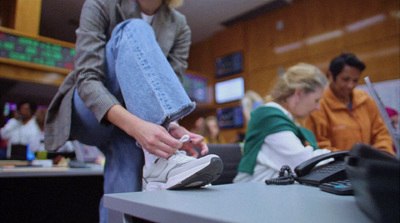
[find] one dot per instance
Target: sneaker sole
(202, 177)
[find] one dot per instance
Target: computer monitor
(229, 90)
(393, 133)
(229, 64)
(18, 152)
(231, 117)
(195, 87)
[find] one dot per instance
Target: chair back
(230, 155)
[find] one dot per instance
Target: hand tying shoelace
(184, 138)
(181, 171)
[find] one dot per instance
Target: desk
(50, 194)
(246, 202)
(92, 170)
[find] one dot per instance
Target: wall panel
(201, 58)
(30, 75)
(370, 20)
(287, 43)
(27, 18)
(228, 41)
(262, 81)
(323, 24)
(260, 35)
(381, 58)
(7, 12)
(314, 31)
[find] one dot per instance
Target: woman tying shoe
(125, 95)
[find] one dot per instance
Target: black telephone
(308, 174)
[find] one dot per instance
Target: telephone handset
(308, 173)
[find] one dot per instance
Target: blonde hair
(250, 99)
(174, 3)
(301, 76)
(207, 132)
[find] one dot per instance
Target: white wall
(388, 91)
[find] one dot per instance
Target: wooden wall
(21, 15)
(7, 11)
(27, 19)
(314, 31)
(22, 18)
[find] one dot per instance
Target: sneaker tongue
(179, 153)
(180, 157)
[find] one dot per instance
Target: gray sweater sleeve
(92, 36)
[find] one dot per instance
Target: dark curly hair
(348, 59)
(32, 105)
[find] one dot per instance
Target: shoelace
(180, 157)
(184, 138)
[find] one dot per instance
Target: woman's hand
(154, 138)
(195, 140)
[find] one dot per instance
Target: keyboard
(340, 187)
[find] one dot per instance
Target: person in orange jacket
(347, 115)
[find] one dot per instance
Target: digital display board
(229, 90)
(230, 117)
(195, 87)
(229, 65)
(30, 50)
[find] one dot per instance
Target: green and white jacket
(272, 140)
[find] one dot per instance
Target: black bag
(374, 175)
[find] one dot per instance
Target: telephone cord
(282, 179)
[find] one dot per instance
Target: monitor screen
(230, 90)
(230, 64)
(8, 108)
(230, 117)
(195, 87)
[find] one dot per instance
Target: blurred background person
(199, 126)
(273, 137)
(348, 115)
(18, 131)
(36, 142)
(4, 142)
(250, 101)
(212, 131)
(394, 117)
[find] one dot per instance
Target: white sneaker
(181, 171)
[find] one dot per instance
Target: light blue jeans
(141, 78)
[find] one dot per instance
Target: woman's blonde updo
(301, 76)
